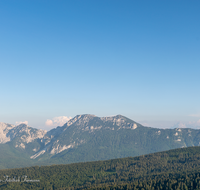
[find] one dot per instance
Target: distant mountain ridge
(87, 138)
(22, 132)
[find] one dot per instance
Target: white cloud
(21, 122)
(49, 122)
(157, 124)
(57, 121)
(189, 124)
(195, 115)
(172, 124)
(181, 125)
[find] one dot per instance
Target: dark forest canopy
(174, 169)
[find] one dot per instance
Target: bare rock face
(27, 134)
(22, 132)
(4, 129)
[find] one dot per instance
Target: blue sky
(140, 59)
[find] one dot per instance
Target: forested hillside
(174, 169)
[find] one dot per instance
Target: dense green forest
(174, 169)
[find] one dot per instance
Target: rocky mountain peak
(4, 129)
(115, 119)
(24, 132)
(80, 119)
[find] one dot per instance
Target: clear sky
(140, 59)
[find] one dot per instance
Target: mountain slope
(89, 138)
(174, 169)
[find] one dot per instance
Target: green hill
(174, 169)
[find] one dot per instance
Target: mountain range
(87, 138)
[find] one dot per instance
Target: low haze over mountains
(87, 138)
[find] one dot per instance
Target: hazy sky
(140, 59)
